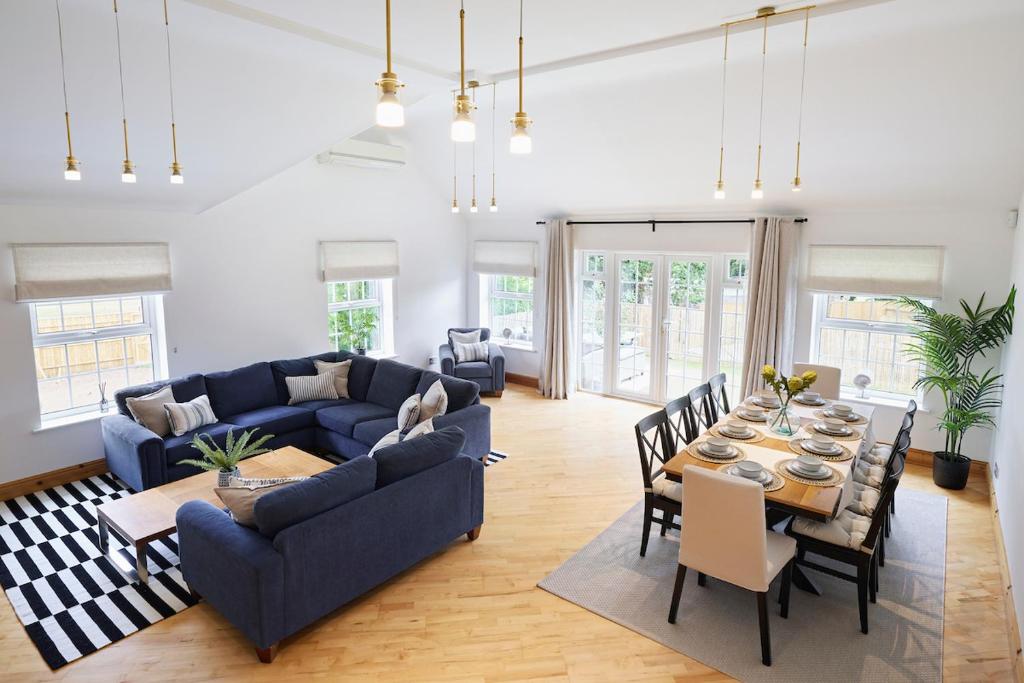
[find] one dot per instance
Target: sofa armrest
(496, 357)
(475, 421)
(134, 454)
(235, 569)
(446, 357)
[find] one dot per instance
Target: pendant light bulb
(127, 172)
(719, 190)
(71, 170)
(473, 207)
(520, 142)
(463, 128)
(176, 177)
(758, 191)
(390, 113)
(455, 206)
(796, 184)
(494, 205)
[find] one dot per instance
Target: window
(359, 315)
(733, 322)
(591, 307)
(866, 334)
(508, 308)
(86, 349)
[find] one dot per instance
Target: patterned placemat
(796, 446)
(854, 435)
(823, 404)
(692, 450)
(776, 483)
(753, 438)
(739, 416)
(835, 479)
(861, 420)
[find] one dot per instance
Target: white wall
(1008, 469)
(246, 283)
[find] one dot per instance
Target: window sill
(525, 348)
(59, 422)
(880, 401)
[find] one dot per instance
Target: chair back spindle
(653, 444)
(681, 427)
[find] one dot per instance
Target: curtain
(61, 271)
(556, 376)
(771, 299)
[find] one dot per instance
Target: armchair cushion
(485, 332)
(412, 456)
(478, 368)
(241, 390)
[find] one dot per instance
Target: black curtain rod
(667, 222)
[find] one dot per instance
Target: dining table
(769, 448)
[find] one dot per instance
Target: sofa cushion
(396, 436)
(359, 375)
(460, 392)
(275, 419)
(372, 431)
(296, 503)
(241, 390)
(392, 383)
(412, 456)
(178, 448)
(149, 410)
(317, 405)
(190, 416)
(473, 368)
(241, 496)
(184, 388)
(343, 419)
(282, 369)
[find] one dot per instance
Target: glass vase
(783, 421)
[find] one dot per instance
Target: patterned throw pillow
(472, 337)
(149, 411)
(409, 413)
(340, 372)
(241, 495)
(465, 353)
(397, 436)
(184, 417)
(434, 403)
(304, 388)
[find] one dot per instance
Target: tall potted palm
(946, 345)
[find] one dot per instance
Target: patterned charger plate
(754, 437)
(854, 435)
(796, 445)
(859, 421)
(775, 484)
(695, 452)
(834, 479)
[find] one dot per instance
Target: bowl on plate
(809, 463)
(767, 398)
(835, 425)
(842, 410)
(810, 397)
(717, 445)
(823, 443)
(736, 427)
(749, 469)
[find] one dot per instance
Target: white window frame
(487, 292)
(151, 326)
(734, 380)
(608, 329)
(386, 320)
(820, 320)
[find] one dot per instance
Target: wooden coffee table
(149, 515)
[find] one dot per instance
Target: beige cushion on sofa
(409, 412)
(434, 403)
(391, 438)
(149, 411)
(340, 371)
(242, 494)
(847, 530)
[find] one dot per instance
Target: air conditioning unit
(364, 154)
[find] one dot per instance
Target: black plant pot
(361, 352)
(951, 473)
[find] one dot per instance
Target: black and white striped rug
(494, 457)
(70, 598)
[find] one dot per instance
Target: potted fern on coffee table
(946, 345)
(225, 460)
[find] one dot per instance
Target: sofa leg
(498, 394)
(474, 534)
(267, 654)
(195, 596)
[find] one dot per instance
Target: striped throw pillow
(464, 353)
(311, 388)
(184, 417)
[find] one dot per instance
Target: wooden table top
(815, 502)
(150, 514)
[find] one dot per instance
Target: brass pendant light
(71, 169)
(463, 128)
(390, 113)
(520, 142)
(720, 185)
(472, 205)
(494, 102)
(176, 177)
(127, 168)
(800, 117)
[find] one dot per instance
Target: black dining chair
(702, 407)
(659, 493)
(718, 393)
(681, 427)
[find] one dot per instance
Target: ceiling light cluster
(763, 15)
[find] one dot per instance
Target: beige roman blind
(358, 260)
(64, 271)
(876, 269)
(505, 258)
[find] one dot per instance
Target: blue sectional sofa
(256, 396)
(320, 543)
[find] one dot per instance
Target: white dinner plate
(852, 417)
(824, 429)
(730, 452)
(747, 433)
(765, 404)
(809, 445)
(823, 473)
(805, 402)
(764, 479)
(756, 417)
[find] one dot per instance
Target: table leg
(104, 539)
(803, 582)
(140, 561)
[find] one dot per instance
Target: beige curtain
(771, 299)
(556, 375)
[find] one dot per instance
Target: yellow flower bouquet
(785, 388)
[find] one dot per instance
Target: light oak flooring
(474, 613)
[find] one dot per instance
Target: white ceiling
(909, 101)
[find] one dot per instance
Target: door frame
(612, 368)
(712, 314)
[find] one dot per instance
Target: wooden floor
(474, 613)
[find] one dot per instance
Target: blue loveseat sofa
(256, 396)
(322, 542)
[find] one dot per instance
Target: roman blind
(64, 271)
(358, 260)
(876, 269)
(505, 258)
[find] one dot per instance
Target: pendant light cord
(521, 55)
(764, 68)
(721, 143)
(387, 23)
(462, 48)
(170, 85)
(63, 76)
(120, 73)
(474, 152)
(803, 81)
(494, 103)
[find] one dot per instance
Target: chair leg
(702, 579)
(887, 524)
(892, 505)
(666, 519)
(676, 593)
(766, 638)
(862, 595)
(648, 517)
(881, 550)
(787, 581)
(873, 579)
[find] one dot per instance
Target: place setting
(822, 446)
(810, 398)
(841, 411)
(737, 429)
(766, 399)
(836, 428)
(809, 469)
(754, 471)
(750, 413)
(715, 449)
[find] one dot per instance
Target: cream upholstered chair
(723, 535)
(828, 378)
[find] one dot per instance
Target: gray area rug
(821, 640)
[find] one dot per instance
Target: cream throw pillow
(409, 413)
(340, 372)
(241, 495)
(149, 411)
(434, 403)
(391, 438)
(466, 337)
